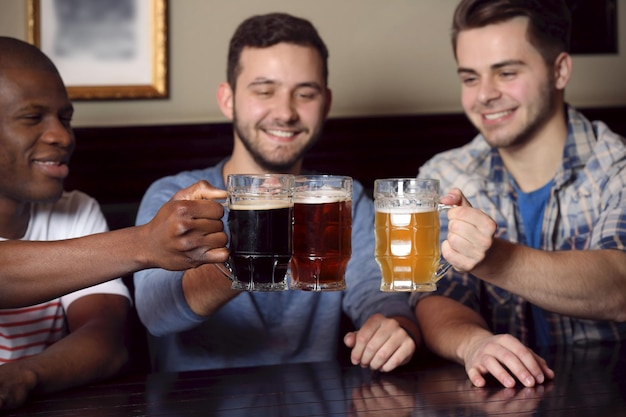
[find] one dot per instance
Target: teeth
(47, 162)
(494, 116)
(280, 133)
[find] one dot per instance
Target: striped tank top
(28, 331)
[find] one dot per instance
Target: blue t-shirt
(532, 206)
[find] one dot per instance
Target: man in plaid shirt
(538, 238)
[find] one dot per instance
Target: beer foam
(321, 196)
(259, 205)
(405, 209)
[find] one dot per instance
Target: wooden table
(590, 381)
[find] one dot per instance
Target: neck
(14, 218)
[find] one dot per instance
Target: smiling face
(279, 106)
(508, 91)
(36, 140)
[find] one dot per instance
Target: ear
(225, 99)
(562, 70)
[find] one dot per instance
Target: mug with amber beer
(407, 234)
(260, 220)
(322, 232)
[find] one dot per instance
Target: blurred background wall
(386, 58)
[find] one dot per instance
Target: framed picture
(113, 49)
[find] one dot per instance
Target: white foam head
(259, 205)
(321, 195)
(405, 209)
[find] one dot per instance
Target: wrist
(206, 289)
(410, 327)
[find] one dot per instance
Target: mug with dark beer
(260, 220)
(407, 234)
(322, 232)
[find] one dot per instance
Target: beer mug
(322, 232)
(260, 219)
(407, 234)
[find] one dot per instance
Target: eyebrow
(261, 81)
(43, 108)
(311, 84)
(268, 81)
(499, 65)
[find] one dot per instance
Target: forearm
(447, 326)
(33, 272)
(93, 350)
(564, 282)
(76, 361)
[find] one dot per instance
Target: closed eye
(508, 74)
(32, 118)
(307, 95)
(468, 80)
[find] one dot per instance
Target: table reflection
(448, 392)
(268, 391)
(384, 395)
(589, 380)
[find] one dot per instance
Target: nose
(58, 132)
(488, 91)
(285, 108)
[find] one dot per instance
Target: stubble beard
(285, 164)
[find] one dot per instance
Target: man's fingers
(495, 368)
(201, 209)
(476, 377)
(201, 190)
(509, 361)
(455, 197)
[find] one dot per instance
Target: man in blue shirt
(278, 99)
(545, 240)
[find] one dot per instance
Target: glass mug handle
(444, 265)
(226, 270)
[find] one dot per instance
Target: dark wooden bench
(116, 165)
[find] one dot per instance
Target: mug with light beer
(322, 232)
(407, 233)
(260, 220)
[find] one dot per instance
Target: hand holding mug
(470, 233)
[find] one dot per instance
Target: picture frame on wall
(113, 49)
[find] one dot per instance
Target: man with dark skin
(186, 233)
(79, 337)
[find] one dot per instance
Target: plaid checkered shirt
(586, 210)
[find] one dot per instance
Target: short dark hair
(549, 21)
(262, 31)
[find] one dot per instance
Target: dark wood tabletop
(590, 381)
